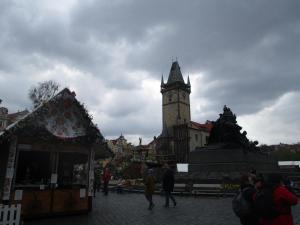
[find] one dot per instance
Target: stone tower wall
(176, 108)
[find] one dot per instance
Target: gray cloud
(247, 54)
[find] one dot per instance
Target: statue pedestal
(217, 162)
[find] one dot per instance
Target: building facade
(120, 147)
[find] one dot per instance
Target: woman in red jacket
(283, 200)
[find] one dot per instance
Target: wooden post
(10, 169)
(54, 170)
(91, 176)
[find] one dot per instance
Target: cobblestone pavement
(131, 209)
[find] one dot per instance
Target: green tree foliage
(42, 92)
(286, 155)
(103, 152)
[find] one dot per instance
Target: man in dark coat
(168, 185)
(248, 192)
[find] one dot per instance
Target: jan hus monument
(228, 152)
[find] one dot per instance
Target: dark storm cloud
(251, 46)
(247, 53)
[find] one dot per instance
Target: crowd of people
(168, 181)
(264, 200)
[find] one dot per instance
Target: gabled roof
(62, 116)
(175, 74)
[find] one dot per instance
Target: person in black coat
(249, 191)
(168, 185)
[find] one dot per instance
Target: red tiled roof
(207, 126)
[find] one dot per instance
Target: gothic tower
(175, 100)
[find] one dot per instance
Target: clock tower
(175, 100)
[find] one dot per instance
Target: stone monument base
(218, 162)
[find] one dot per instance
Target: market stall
(47, 159)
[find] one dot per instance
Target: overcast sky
(244, 54)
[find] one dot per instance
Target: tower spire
(175, 74)
(188, 81)
(162, 80)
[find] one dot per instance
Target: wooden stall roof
(62, 118)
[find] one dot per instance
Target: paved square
(131, 209)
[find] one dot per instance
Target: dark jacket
(168, 180)
(248, 193)
(283, 200)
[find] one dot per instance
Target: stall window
(72, 169)
(33, 168)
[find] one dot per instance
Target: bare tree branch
(43, 92)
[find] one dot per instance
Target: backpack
(264, 204)
(241, 207)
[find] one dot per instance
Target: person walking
(168, 185)
(97, 182)
(283, 199)
(258, 183)
(106, 178)
(149, 188)
(243, 202)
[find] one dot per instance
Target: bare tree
(42, 92)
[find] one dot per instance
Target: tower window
(196, 137)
